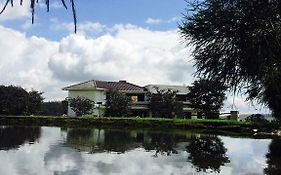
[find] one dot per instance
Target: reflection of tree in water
(274, 158)
(83, 139)
(96, 140)
(207, 153)
(163, 143)
(119, 141)
(13, 137)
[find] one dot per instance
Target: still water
(73, 151)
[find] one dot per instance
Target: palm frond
(47, 3)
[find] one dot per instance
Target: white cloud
(133, 53)
(56, 5)
(82, 28)
(16, 12)
(153, 21)
(24, 61)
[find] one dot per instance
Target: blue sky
(136, 40)
(154, 15)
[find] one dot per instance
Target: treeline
(15, 100)
(53, 108)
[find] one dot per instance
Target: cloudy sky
(137, 41)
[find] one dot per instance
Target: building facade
(96, 91)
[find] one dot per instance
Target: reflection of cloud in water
(247, 156)
(28, 159)
(61, 159)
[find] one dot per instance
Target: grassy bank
(127, 122)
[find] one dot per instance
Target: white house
(97, 90)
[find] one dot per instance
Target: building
(97, 90)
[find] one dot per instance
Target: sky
(133, 40)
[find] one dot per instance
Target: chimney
(122, 81)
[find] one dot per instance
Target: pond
(77, 151)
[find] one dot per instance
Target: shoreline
(209, 126)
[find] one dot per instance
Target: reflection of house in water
(120, 141)
(12, 137)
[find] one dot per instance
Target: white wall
(95, 95)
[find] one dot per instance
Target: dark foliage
(17, 101)
(117, 104)
(273, 158)
(81, 105)
(33, 4)
(162, 143)
(163, 103)
(207, 153)
(35, 101)
(13, 137)
(237, 42)
(257, 118)
(53, 108)
(13, 100)
(206, 96)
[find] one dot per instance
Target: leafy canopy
(117, 104)
(81, 105)
(206, 96)
(238, 43)
(162, 103)
(15, 100)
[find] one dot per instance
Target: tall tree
(162, 103)
(206, 96)
(237, 42)
(35, 101)
(117, 104)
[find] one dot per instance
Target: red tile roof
(93, 84)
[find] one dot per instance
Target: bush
(81, 105)
(117, 104)
(257, 118)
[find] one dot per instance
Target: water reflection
(162, 143)
(207, 153)
(273, 158)
(63, 161)
(99, 140)
(12, 137)
(111, 151)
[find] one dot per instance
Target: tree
(207, 153)
(162, 103)
(237, 42)
(81, 105)
(13, 100)
(206, 96)
(33, 4)
(54, 108)
(35, 101)
(17, 101)
(117, 104)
